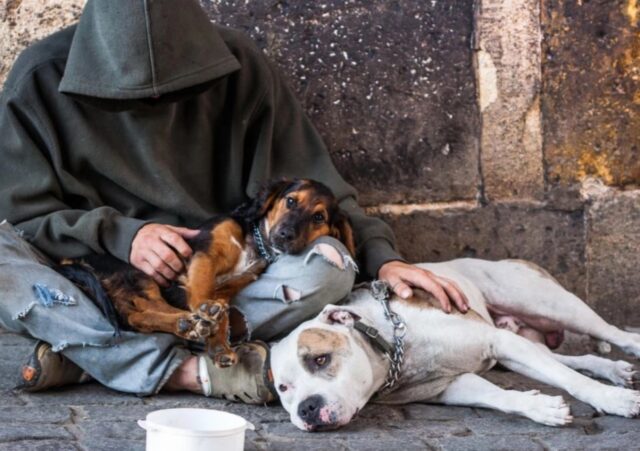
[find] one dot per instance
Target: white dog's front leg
(524, 357)
(474, 391)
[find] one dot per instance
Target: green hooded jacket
(144, 112)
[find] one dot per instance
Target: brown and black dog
(229, 253)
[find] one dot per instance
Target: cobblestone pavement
(90, 417)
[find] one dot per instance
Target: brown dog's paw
(223, 356)
(193, 327)
(212, 311)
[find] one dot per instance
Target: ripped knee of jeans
(291, 294)
(331, 255)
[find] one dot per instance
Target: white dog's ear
(338, 314)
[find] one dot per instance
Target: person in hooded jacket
(118, 135)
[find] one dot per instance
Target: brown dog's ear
(256, 208)
(342, 230)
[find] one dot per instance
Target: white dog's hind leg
(619, 372)
(474, 391)
(527, 291)
(520, 355)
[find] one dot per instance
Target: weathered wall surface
(486, 128)
(389, 84)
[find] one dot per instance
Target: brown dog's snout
(286, 233)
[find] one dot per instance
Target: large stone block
(389, 84)
(509, 77)
(591, 90)
(552, 239)
(23, 22)
(613, 255)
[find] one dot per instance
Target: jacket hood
(133, 49)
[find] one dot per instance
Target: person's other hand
(402, 276)
(158, 250)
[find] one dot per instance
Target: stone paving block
(389, 85)
(85, 394)
(102, 444)
(432, 412)
(96, 429)
(40, 445)
(493, 443)
(14, 432)
(32, 414)
(613, 255)
(116, 413)
(9, 397)
(612, 442)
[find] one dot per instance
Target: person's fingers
(168, 251)
(427, 283)
(399, 287)
(454, 293)
(147, 268)
(159, 266)
(175, 237)
(185, 232)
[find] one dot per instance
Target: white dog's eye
(283, 388)
(321, 360)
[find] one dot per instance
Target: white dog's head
(323, 370)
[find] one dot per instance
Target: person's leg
(38, 302)
(297, 287)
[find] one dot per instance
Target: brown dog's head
(296, 212)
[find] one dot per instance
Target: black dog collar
(374, 338)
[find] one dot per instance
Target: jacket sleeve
(289, 145)
(32, 197)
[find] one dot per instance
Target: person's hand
(402, 276)
(158, 250)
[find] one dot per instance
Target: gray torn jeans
(141, 363)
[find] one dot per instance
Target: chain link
(262, 248)
(381, 292)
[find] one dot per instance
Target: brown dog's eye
(291, 202)
(318, 218)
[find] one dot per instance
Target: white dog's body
(325, 370)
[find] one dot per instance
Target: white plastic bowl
(194, 430)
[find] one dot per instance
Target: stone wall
(486, 128)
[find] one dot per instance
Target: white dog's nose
(309, 409)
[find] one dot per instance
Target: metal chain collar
(262, 248)
(381, 292)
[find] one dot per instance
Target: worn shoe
(249, 381)
(47, 369)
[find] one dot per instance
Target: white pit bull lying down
(327, 369)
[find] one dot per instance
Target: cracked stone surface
(390, 85)
(91, 417)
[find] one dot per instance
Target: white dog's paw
(545, 409)
(618, 401)
(623, 373)
(631, 344)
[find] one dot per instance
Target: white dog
(327, 369)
